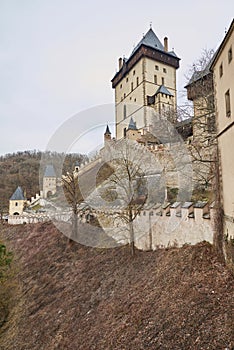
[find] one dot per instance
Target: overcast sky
(57, 57)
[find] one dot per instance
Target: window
(228, 104)
(132, 86)
(163, 81)
(134, 99)
(164, 70)
(134, 72)
(221, 70)
(157, 67)
(124, 132)
(230, 55)
(16, 204)
(126, 80)
(155, 79)
(137, 81)
(124, 95)
(125, 111)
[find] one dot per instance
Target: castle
(146, 81)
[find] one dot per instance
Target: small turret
(17, 202)
(107, 135)
(49, 181)
(77, 167)
(132, 132)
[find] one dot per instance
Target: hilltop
(75, 297)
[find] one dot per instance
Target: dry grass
(74, 297)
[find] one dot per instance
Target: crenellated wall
(174, 225)
(155, 227)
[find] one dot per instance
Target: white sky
(57, 57)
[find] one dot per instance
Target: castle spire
(107, 134)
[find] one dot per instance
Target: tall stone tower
(49, 182)
(146, 78)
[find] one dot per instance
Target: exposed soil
(75, 297)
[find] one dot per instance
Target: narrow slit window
(221, 70)
(228, 103)
(230, 55)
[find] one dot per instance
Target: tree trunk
(218, 221)
(74, 225)
(132, 242)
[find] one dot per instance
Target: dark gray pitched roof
(132, 125)
(107, 130)
(49, 171)
(199, 74)
(18, 194)
(150, 39)
(163, 90)
(172, 53)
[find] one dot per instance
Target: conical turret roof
(107, 132)
(18, 194)
(132, 125)
(49, 171)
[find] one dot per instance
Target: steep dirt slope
(74, 297)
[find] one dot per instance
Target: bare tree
(129, 186)
(73, 197)
(200, 91)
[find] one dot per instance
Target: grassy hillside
(74, 297)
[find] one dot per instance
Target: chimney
(166, 44)
(120, 63)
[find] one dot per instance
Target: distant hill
(72, 297)
(22, 169)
